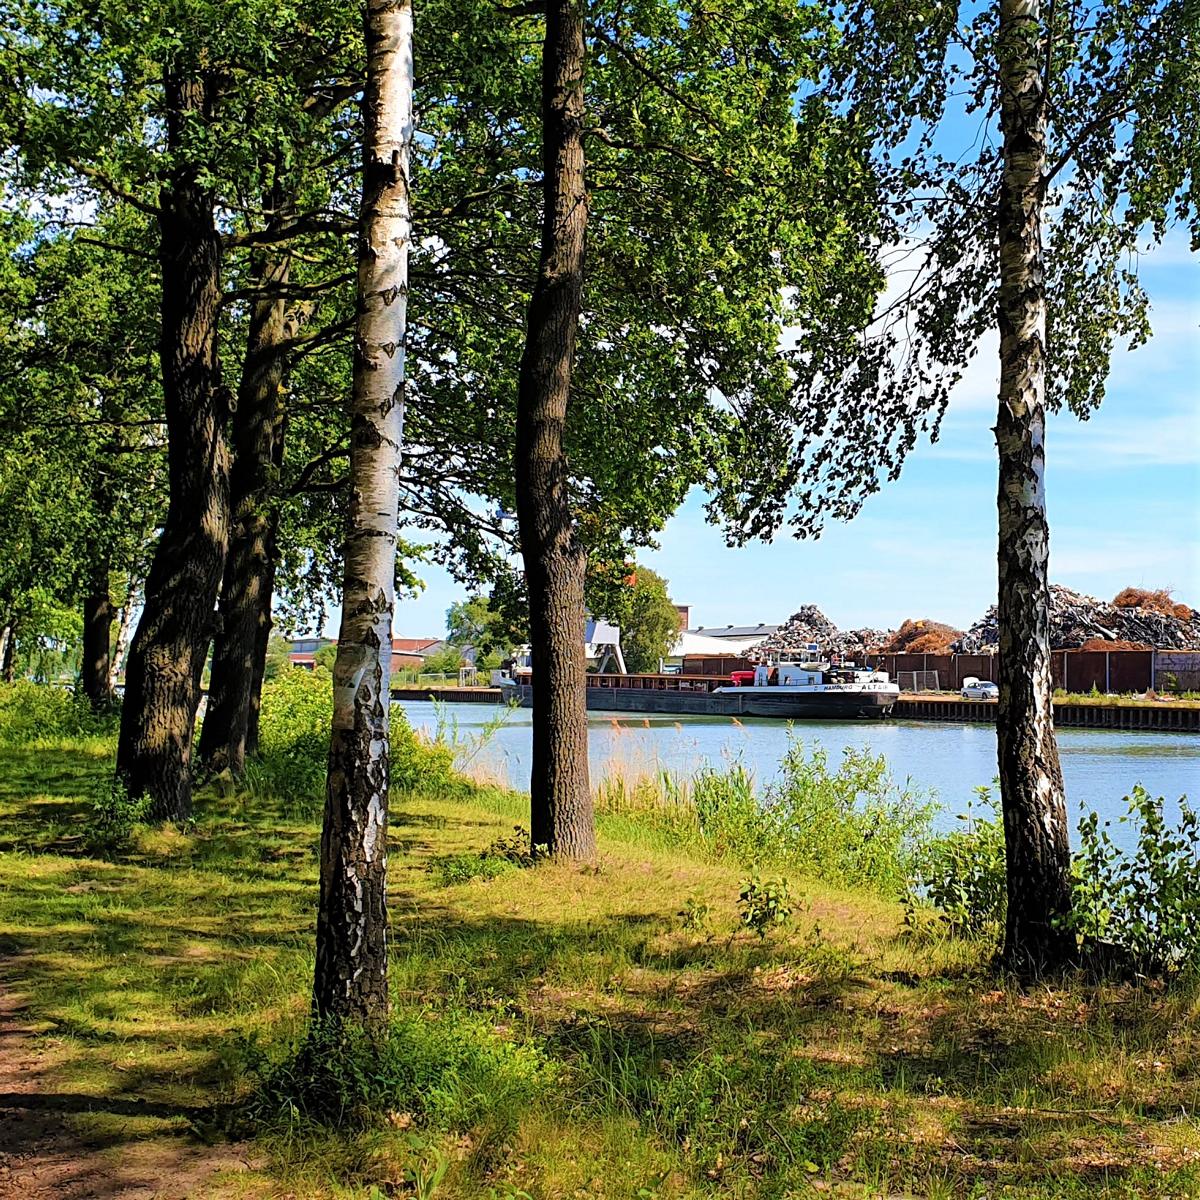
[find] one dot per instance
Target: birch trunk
(124, 624)
(1031, 783)
(249, 574)
(166, 660)
(561, 814)
(351, 971)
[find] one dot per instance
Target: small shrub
(419, 764)
(696, 916)
(962, 873)
(115, 815)
(454, 869)
(502, 856)
(854, 826)
(1145, 902)
(765, 904)
(447, 1070)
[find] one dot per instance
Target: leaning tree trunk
(249, 572)
(561, 815)
(351, 971)
(166, 660)
(1031, 784)
(95, 671)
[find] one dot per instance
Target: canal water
(1100, 766)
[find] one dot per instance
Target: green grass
(1129, 699)
(559, 1033)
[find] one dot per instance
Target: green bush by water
(853, 825)
(297, 711)
(1145, 901)
(961, 874)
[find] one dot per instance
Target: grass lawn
(567, 1035)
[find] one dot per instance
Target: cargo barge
(695, 696)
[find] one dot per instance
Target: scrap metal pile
(808, 625)
(922, 637)
(1136, 621)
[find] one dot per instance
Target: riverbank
(613, 1032)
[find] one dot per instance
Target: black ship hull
(822, 706)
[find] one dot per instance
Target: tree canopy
(649, 621)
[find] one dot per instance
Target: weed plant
(1142, 903)
(1146, 902)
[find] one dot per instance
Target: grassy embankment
(560, 1032)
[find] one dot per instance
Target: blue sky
(1124, 497)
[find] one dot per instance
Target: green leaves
(1145, 900)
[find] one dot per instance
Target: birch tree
(1038, 235)
(351, 968)
(1034, 799)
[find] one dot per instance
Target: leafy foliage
(1146, 901)
(962, 873)
(297, 709)
(115, 815)
(1123, 121)
(32, 713)
(502, 856)
(853, 826)
(477, 624)
(1143, 902)
(443, 662)
(649, 621)
(765, 904)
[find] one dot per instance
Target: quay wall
(458, 695)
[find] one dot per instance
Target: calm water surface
(1100, 765)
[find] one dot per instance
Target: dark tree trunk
(98, 613)
(555, 563)
(350, 983)
(249, 571)
(166, 660)
(1031, 784)
(259, 666)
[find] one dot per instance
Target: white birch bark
(1031, 783)
(351, 972)
(124, 627)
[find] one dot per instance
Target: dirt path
(42, 1155)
